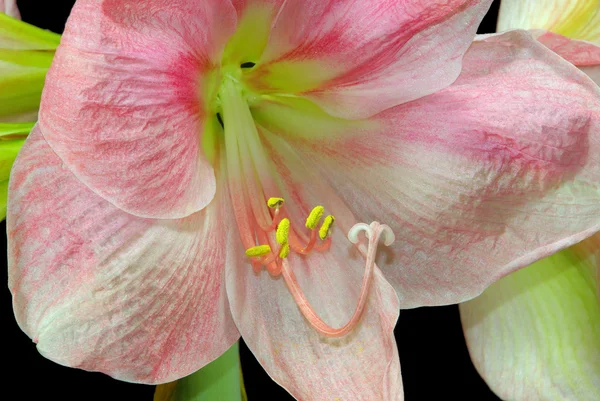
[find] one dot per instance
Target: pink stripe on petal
(578, 52)
(127, 96)
(584, 55)
(368, 56)
(99, 289)
(477, 180)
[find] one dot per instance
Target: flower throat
(265, 228)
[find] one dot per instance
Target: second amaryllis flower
(176, 190)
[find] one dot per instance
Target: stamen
(260, 250)
(285, 251)
(314, 217)
(275, 203)
(373, 232)
(325, 229)
(283, 231)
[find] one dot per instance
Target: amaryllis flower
(205, 169)
(534, 334)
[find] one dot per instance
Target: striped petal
(478, 180)
(126, 98)
(358, 58)
(584, 55)
(99, 289)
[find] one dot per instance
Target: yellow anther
(285, 251)
(325, 229)
(283, 230)
(314, 217)
(274, 203)
(260, 250)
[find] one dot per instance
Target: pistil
(265, 229)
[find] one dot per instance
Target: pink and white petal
(364, 365)
(584, 55)
(579, 19)
(99, 289)
(578, 52)
(478, 180)
(534, 334)
(126, 99)
(358, 58)
(9, 7)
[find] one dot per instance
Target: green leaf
(220, 380)
(19, 35)
(12, 138)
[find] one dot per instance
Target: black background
(433, 354)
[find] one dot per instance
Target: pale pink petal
(363, 365)
(358, 58)
(126, 98)
(9, 7)
(99, 289)
(534, 335)
(578, 52)
(477, 180)
(584, 55)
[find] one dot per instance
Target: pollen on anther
(260, 250)
(275, 202)
(314, 217)
(283, 230)
(325, 229)
(285, 251)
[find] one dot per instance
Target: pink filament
(303, 250)
(307, 310)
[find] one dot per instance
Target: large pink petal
(584, 55)
(363, 365)
(477, 180)
(99, 289)
(359, 58)
(125, 101)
